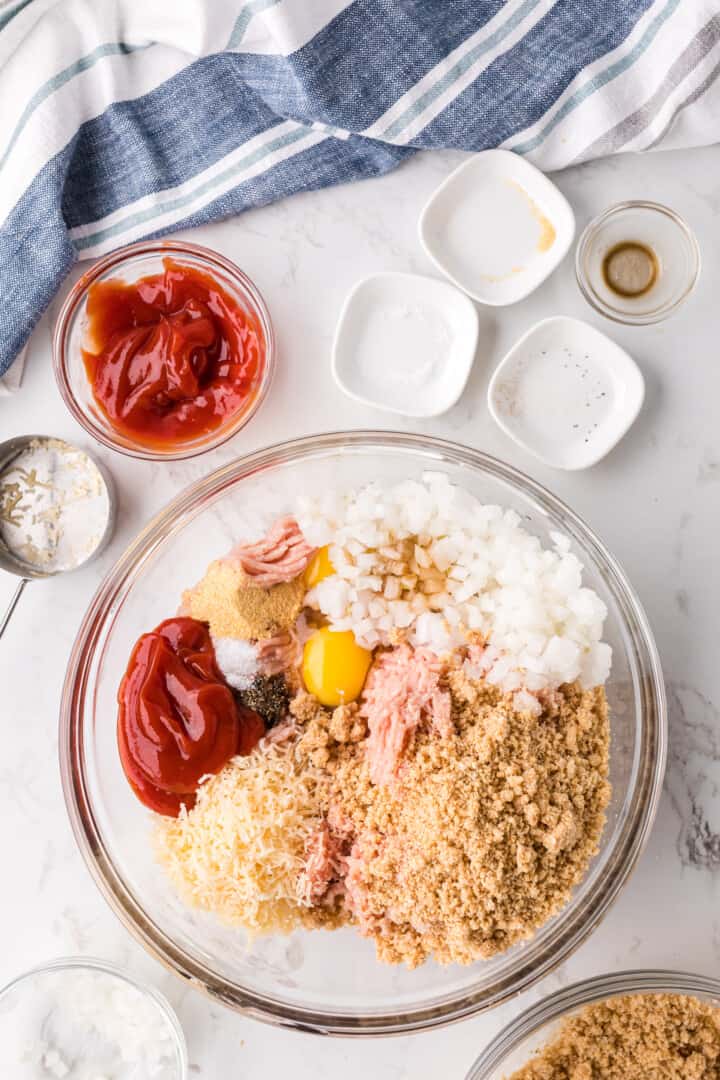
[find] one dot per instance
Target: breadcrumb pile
(634, 1037)
(485, 832)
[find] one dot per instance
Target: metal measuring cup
(26, 571)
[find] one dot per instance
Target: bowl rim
(586, 992)
(533, 964)
(103, 967)
(114, 261)
(593, 298)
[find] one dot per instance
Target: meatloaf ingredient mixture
(485, 830)
(434, 768)
(634, 1037)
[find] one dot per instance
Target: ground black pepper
(269, 696)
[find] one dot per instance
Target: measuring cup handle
(13, 604)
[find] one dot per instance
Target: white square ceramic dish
(405, 343)
(497, 227)
(566, 393)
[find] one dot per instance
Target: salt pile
(238, 661)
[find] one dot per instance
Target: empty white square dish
(566, 393)
(405, 343)
(497, 227)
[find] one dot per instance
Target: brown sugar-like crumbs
(234, 607)
(486, 831)
(304, 707)
(328, 734)
(633, 1037)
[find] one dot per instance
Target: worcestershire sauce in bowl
(630, 269)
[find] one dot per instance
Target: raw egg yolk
(319, 567)
(334, 666)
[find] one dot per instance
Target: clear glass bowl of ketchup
(163, 350)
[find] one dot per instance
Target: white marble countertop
(655, 500)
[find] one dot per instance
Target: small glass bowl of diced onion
(79, 1018)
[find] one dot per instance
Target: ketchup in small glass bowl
(163, 350)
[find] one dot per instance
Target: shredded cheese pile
(54, 506)
(239, 851)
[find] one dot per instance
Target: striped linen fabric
(122, 119)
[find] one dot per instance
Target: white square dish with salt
(497, 227)
(405, 343)
(566, 393)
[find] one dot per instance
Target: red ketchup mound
(178, 720)
(172, 356)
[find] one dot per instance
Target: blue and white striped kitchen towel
(121, 119)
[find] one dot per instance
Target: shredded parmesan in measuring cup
(54, 506)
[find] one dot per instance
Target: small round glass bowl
(332, 983)
(129, 264)
(655, 227)
(48, 1022)
(521, 1040)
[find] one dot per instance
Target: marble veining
(693, 775)
(655, 500)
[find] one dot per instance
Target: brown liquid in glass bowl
(630, 269)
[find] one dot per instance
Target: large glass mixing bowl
(321, 981)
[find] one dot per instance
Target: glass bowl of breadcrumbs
(633, 1025)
